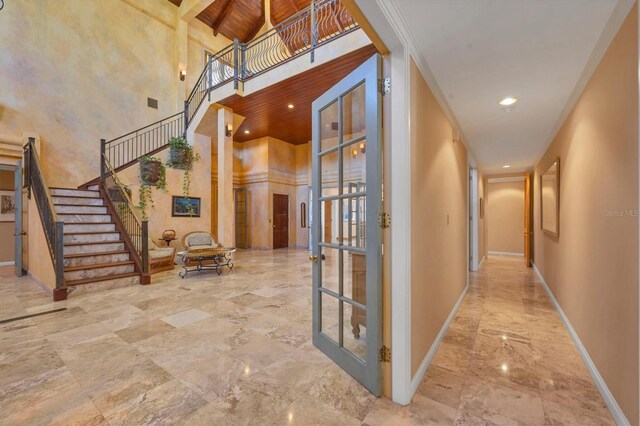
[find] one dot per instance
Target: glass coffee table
(213, 259)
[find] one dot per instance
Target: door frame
(474, 236)
(19, 214)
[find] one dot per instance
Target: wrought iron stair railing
(53, 227)
(136, 235)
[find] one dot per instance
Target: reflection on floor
(236, 349)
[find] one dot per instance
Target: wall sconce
(362, 148)
(228, 128)
(183, 74)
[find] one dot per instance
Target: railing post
(145, 247)
(59, 254)
(243, 66)
(209, 71)
(236, 45)
(103, 169)
(314, 24)
(186, 119)
(28, 153)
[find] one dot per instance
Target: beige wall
(505, 214)
(6, 228)
(268, 166)
(82, 72)
(592, 268)
(439, 180)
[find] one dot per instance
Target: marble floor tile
(236, 349)
(180, 319)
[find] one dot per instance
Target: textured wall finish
(592, 268)
(504, 210)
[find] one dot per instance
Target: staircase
(94, 251)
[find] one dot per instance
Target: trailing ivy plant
(145, 192)
(183, 156)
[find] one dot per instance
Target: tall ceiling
(480, 51)
(267, 111)
(244, 18)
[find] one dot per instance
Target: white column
(226, 208)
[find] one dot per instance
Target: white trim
(607, 396)
(611, 28)
(473, 212)
(505, 253)
(383, 17)
(8, 263)
(417, 379)
(506, 179)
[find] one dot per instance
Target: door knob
(15, 234)
(313, 258)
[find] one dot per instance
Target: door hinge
(385, 85)
(384, 220)
(384, 354)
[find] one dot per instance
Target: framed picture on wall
(185, 206)
(7, 206)
(481, 208)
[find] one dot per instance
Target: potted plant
(116, 195)
(152, 172)
(181, 155)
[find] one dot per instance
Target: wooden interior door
(328, 221)
(280, 221)
(528, 219)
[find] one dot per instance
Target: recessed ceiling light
(246, 132)
(290, 106)
(506, 166)
(508, 101)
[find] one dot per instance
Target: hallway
(236, 348)
(508, 357)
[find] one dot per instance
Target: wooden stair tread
(84, 214)
(98, 265)
(93, 243)
(98, 279)
(75, 196)
(98, 253)
(79, 205)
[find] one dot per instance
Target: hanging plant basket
(151, 171)
(179, 157)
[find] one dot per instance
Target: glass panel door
(346, 239)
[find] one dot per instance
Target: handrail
(52, 225)
(136, 235)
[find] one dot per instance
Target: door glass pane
(354, 167)
(354, 113)
(330, 260)
(330, 220)
(354, 333)
(329, 316)
(329, 126)
(354, 221)
(329, 173)
(355, 277)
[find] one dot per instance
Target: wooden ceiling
(244, 18)
(267, 112)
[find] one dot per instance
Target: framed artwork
(550, 199)
(481, 208)
(7, 206)
(185, 206)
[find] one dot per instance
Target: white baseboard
(9, 263)
(607, 396)
(417, 379)
(505, 253)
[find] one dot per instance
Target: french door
(346, 238)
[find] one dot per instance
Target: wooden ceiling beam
(223, 15)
